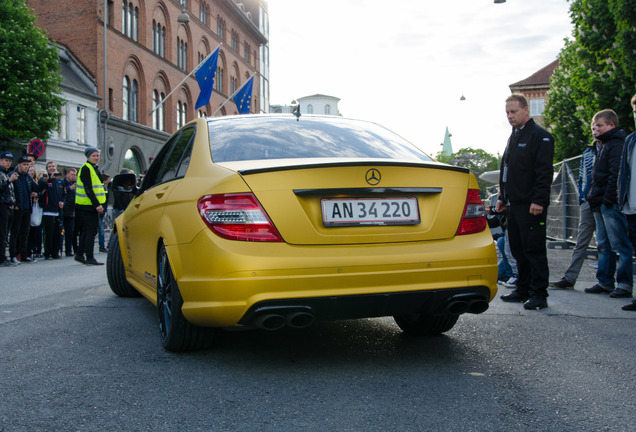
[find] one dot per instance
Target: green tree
(478, 161)
(29, 78)
(597, 70)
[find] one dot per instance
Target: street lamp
(183, 17)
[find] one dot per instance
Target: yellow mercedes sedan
(268, 221)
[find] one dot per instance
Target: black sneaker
(536, 303)
(562, 284)
(597, 289)
(630, 307)
(515, 297)
(620, 293)
(93, 261)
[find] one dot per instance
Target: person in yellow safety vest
(90, 196)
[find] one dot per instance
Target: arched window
(135, 25)
(133, 101)
(124, 17)
(246, 52)
(220, 27)
(218, 79)
(233, 84)
(182, 52)
(234, 41)
(129, 99)
(126, 99)
(203, 13)
(130, 20)
(158, 114)
(327, 109)
(132, 161)
(182, 109)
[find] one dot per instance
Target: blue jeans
(100, 232)
(587, 225)
(505, 271)
(612, 238)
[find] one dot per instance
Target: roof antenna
(296, 110)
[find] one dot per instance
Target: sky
(406, 63)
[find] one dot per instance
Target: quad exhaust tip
(276, 321)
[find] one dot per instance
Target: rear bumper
(302, 312)
(225, 283)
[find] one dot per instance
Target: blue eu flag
(205, 78)
(243, 97)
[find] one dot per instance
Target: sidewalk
(569, 302)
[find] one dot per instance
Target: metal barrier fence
(564, 211)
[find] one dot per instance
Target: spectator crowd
(48, 215)
(607, 199)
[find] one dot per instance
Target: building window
(158, 39)
(129, 99)
(183, 3)
(310, 109)
(233, 84)
(81, 124)
(202, 113)
(129, 20)
(537, 107)
(218, 79)
(182, 54)
(158, 113)
(132, 161)
(63, 132)
(234, 41)
(135, 25)
(219, 27)
(328, 109)
(109, 14)
(182, 109)
(203, 13)
(246, 52)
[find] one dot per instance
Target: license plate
(370, 211)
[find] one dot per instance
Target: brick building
(151, 47)
(535, 88)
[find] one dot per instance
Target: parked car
(270, 221)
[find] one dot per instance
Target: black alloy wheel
(177, 334)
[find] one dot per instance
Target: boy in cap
(90, 197)
(25, 189)
(7, 202)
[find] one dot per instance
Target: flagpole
(182, 81)
(233, 94)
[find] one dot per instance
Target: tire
(177, 334)
(426, 325)
(115, 270)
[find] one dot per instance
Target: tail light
(237, 217)
(474, 217)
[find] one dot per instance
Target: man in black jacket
(611, 225)
(7, 203)
(524, 190)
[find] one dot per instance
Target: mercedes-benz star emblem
(373, 177)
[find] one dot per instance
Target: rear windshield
(257, 138)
